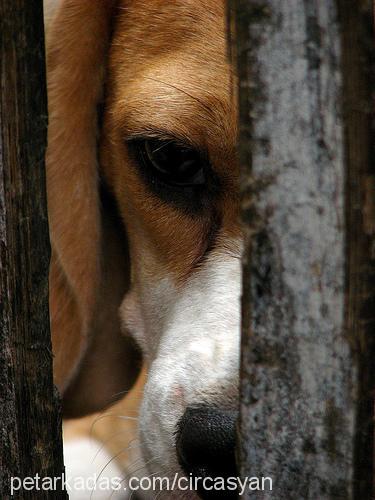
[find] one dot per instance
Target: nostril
(206, 439)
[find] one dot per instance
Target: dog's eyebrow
(152, 106)
(202, 103)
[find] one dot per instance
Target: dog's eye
(171, 162)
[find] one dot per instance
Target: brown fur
(116, 427)
(81, 236)
(157, 82)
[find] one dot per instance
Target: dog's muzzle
(205, 442)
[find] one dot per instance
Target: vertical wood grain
(30, 426)
(308, 357)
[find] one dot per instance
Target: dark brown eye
(171, 162)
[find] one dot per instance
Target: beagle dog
(143, 203)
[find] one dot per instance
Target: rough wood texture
(358, 87)
(308, 209)
(30, 426)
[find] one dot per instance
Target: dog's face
(168, 154)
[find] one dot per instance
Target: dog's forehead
(169, 70)
(161, 24)
(190, 33)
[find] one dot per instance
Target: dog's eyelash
(162, 136)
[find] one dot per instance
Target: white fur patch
(88, 465)
(192, 342)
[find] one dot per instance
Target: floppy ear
(89, 262)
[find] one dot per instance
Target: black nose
(206, 439)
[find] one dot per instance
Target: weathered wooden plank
(308, 307)
(30, 430)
